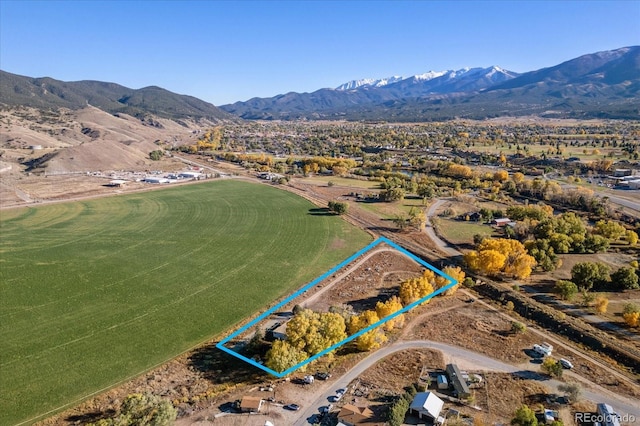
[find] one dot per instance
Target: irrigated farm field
(94, 292)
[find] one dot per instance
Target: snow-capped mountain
(492, 74)
(602, 84)
(429, 75)
(369, 82)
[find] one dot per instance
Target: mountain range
(47, 93)
(603, 85)
(598, 85)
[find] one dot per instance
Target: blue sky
(224, 52)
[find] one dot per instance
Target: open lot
(96, 292)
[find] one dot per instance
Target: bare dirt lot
(376, 280)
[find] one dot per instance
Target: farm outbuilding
(426, 404)
(117, 183)
(459, 383)
(156, 180)
(189, 175)
(503, 221)
(251, 404)
(442, 381)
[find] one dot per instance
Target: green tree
(518, 327)
(143, 409)
(625, 279)
(392, 194)
(586, 275)
(561, 243)
(543, 253)
(630, 308)
(426, 191)
(338, 207)
(552, 367)
(401, 221)
(257, 340)
(609, 229)
(156, 155)
(524, 416)
(595, 243)
(398, 411)
(566, 289)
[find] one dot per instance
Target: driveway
(431, 233)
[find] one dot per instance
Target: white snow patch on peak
(429, 75)
(369, 82)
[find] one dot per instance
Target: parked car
(326, 408)
(292, 407)
(323, 376)
(566, 363)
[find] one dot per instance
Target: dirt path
(441, 244)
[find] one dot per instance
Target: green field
(461, 232)
(340, 181)
(95, 292)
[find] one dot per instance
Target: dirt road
(441, 244)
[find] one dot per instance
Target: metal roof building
(427, 404)
(458, 382)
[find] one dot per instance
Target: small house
(350, 415)
(501, 222)
(251, 404)
(426, 405)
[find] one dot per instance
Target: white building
(426, 404)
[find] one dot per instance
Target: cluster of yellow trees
(501, 256)
(465, 172)
(309, 332)
(339, 166)
(209, 141)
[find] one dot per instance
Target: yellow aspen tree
(601, 304)
(283, 356)
(390, 307)
(454, 272)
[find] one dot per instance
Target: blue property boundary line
(331, 271)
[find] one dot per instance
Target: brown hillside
(86, 140)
